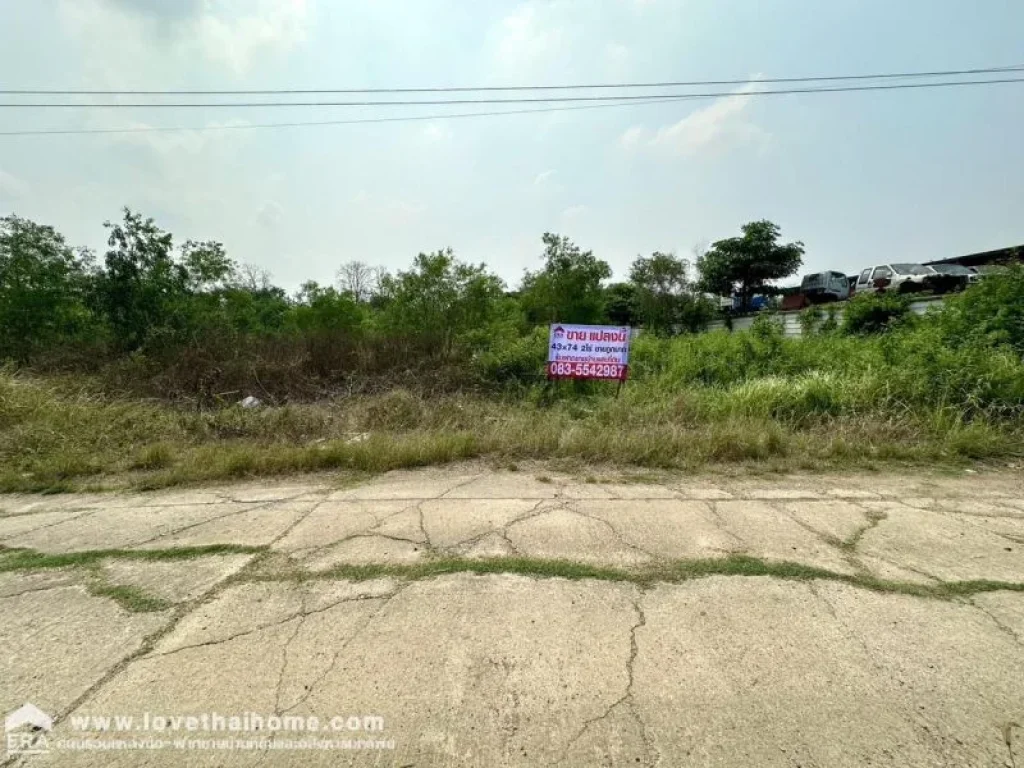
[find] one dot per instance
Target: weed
(156, 456)
(662, 573)
(132, 599)
(31, 560)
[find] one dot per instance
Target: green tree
(745, 264)
(142, 284)
(661, 289)
(568, 289)
(43, 285)
(207, 265)
(327, 309)
(441, 300)
(620, 304)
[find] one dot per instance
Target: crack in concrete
(423, 527)
(51, 525)
(190, 526)
(306, 492)
(875, 517)
(388, 536)
(502, 530)
(1005, 628)
(44, 511)
(825, 538)
(296, 523)
(903, 566)
(373, 531)
(963, 517)
(929, 734)
(535, 511)
(848, 546)
(511, 545)
(1008, 740)
(306, 553)
(301, 613)
(622, 540)
(719, 522)
(650, 756)
(39, 589)
(455, 488)
(386, 599)
(284, 653)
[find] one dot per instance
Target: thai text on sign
(588, 352)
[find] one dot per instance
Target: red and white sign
(588, 352)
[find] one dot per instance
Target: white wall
(791, 320)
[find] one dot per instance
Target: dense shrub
(874, 312)
(991, 312)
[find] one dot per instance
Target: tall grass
(53, 439)
(937, 389)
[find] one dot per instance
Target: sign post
(588, 352)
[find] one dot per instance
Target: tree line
(146, 296)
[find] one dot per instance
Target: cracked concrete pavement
(837, 668)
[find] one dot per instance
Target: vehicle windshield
(911, 269)
(951, 269)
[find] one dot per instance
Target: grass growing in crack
(31, 560)
(132, 599)
(669, 573)
(564, 569)
(742, 565)
(673, 572)
(874, 517)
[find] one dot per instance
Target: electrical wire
(609, 102)
(526, 100)
(497, 88)
(357, 121)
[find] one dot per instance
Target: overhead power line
(356, 121)
(481, 88)
(642, 101)
(517, 100)
(505, 88)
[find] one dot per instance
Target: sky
(859, 178)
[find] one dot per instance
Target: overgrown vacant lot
(132, 373)
(883, 386)
(826, 401)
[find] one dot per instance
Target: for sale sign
(588, 352)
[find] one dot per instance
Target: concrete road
(465, 617)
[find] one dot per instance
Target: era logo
(25, 730)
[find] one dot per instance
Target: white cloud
(126, 41)
(533, 41)
(543, 177)
(236, 32)
(632, 137)
(526, 35)
(720, 123)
